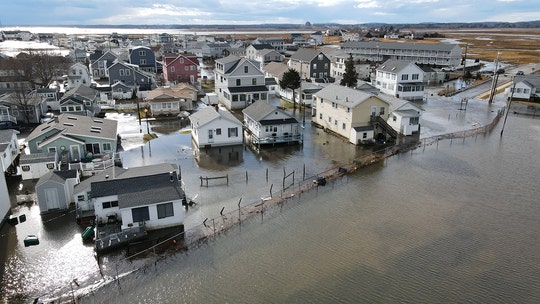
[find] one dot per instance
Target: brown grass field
(516, 46)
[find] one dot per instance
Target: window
(233, 132)
(165, 210)
(381, 112)
(320, 116)
(329, 119)
(142, 53)
(140, 214)
(50, 166)
(335, 122)
(253, 81)
(142, 62)
(186, 68)
(394, 118)
(405, 77)
(52, 149)
(218, 131)
(80, 198)
(106, 146)
(107, 205)
(121, 72)
(238, 82)
(181, 60)
(314, 66)
(343, 126)
(25, 168)
(172, 69)
(246, 69)
(413, 120)
(364, 135)
(93, 148)
(414, 76)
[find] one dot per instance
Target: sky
(242, 12)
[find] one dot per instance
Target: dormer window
(246, 69)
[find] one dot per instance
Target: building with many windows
(424, 53)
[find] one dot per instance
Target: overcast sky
(139, 12)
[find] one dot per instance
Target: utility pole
(509, 104)
(495, 78)
(465, 60)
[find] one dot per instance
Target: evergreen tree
(290, 80)
(350, 77)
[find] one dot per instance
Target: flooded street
(448, 217)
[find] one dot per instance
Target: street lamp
(146, 116)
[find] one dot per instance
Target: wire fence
(291, 191)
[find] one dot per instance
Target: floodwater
(449, 223)
(456, 222)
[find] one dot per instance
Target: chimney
(171, 178)
(107, 176)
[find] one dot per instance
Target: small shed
(34, 166)
(361, 135)
(54, 190)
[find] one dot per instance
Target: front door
(51, 199)
(210, 136)
(75, 153)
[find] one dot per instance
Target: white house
(172, 100)
(404, 116)
(239, 82)
(9, 150)
(527, 87)
(54, 190)
(212, 126)
(348, 112)
(148, 195)
(78, 74)
(403, 79)
(270, 125)
(34, 166)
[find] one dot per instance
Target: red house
(180, 68)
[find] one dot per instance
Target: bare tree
(24, 100)
(40, 67)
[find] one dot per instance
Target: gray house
(239, 82)
(75, 138)
(130, 75)
(54, 190)
(81, 100)
(311, 64)
(143, 57)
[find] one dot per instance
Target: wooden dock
(107, 240)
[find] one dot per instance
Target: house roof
(532, 81)
(305, 55)
(363, 128)
(394, 66)
(37, 158)
(345, 96)
(71, 125)
(180, 90)
(57, 176)
(262, 46)
(81, 90)
(276, 68)
(7, 135)
(406, 113)
(260, 109)
(208, 114)
(141, 186)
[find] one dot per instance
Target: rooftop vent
(68, 124)
(72, 117)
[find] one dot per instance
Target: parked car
(519, 73)
(45, 118)
(4, 125)
(500, 71)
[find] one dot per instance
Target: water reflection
(219, 158)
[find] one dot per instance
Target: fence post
(246, 178)
(267, 175)
(271, 186)
(304, 172)
(239, 218)
(117, 277)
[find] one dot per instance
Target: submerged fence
(291, 191)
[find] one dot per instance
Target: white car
(47, 117)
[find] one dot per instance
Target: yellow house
(348, 112)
